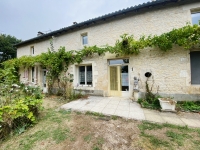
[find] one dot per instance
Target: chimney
(40, 33)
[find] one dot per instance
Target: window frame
(194, 71)
(85, 72)
(33, 74)
(32, 50)
(82, 38)
(196, 11)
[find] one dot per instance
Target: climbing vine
(55, 61)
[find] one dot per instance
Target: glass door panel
(124, 78)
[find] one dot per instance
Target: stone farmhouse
(176, 72)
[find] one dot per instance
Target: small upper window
(32, 50)
(84, 39)
(196, 18)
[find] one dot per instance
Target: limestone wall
(170, 70)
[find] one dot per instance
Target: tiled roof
(114, 15)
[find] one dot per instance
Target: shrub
(19, 107)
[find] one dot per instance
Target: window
(32, 50)
(118, 61)
(84, 39)
(33, 73)
(195, 67)
(85, 75)
(196, 18)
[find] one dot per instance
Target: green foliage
(151, 100)
(19, 111)
(189, 106)
(19, 105)
(187, 37)
(9, 75)
(128, 45)
(7, 47)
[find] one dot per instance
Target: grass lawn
(61, 130)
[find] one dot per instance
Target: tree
(7, 49)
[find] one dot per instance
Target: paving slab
(108, 111)
(97, 109)
(111, 106)
(149, 111)
(122, 107)
(136, 116)
(191, 122)
(190, 115)
(173, 120)
(154, 118)
(126, 108)
(116, 102)
(122, 113)
(168, 114)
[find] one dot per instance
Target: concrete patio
(128, 109)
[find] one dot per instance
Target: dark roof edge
(149, 5)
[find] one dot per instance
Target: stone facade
(170, 70)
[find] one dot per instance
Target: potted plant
(167, 104)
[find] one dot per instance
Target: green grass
(53, 126)
(95, 114)
(149, 126)
(56, 132)
(96, 148)
(60, 134)
(99, 142)
(87, 138)
(155, 141)
(28, 142)
(113, 117)
(175, 136)
(178, 138)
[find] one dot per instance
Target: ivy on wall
(186, 37)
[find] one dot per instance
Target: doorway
(119, 77)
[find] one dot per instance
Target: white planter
(167, 104)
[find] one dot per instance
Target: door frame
(118, 93)
(44, 85)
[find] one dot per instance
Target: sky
(24, 18)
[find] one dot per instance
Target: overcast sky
(24, 18)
